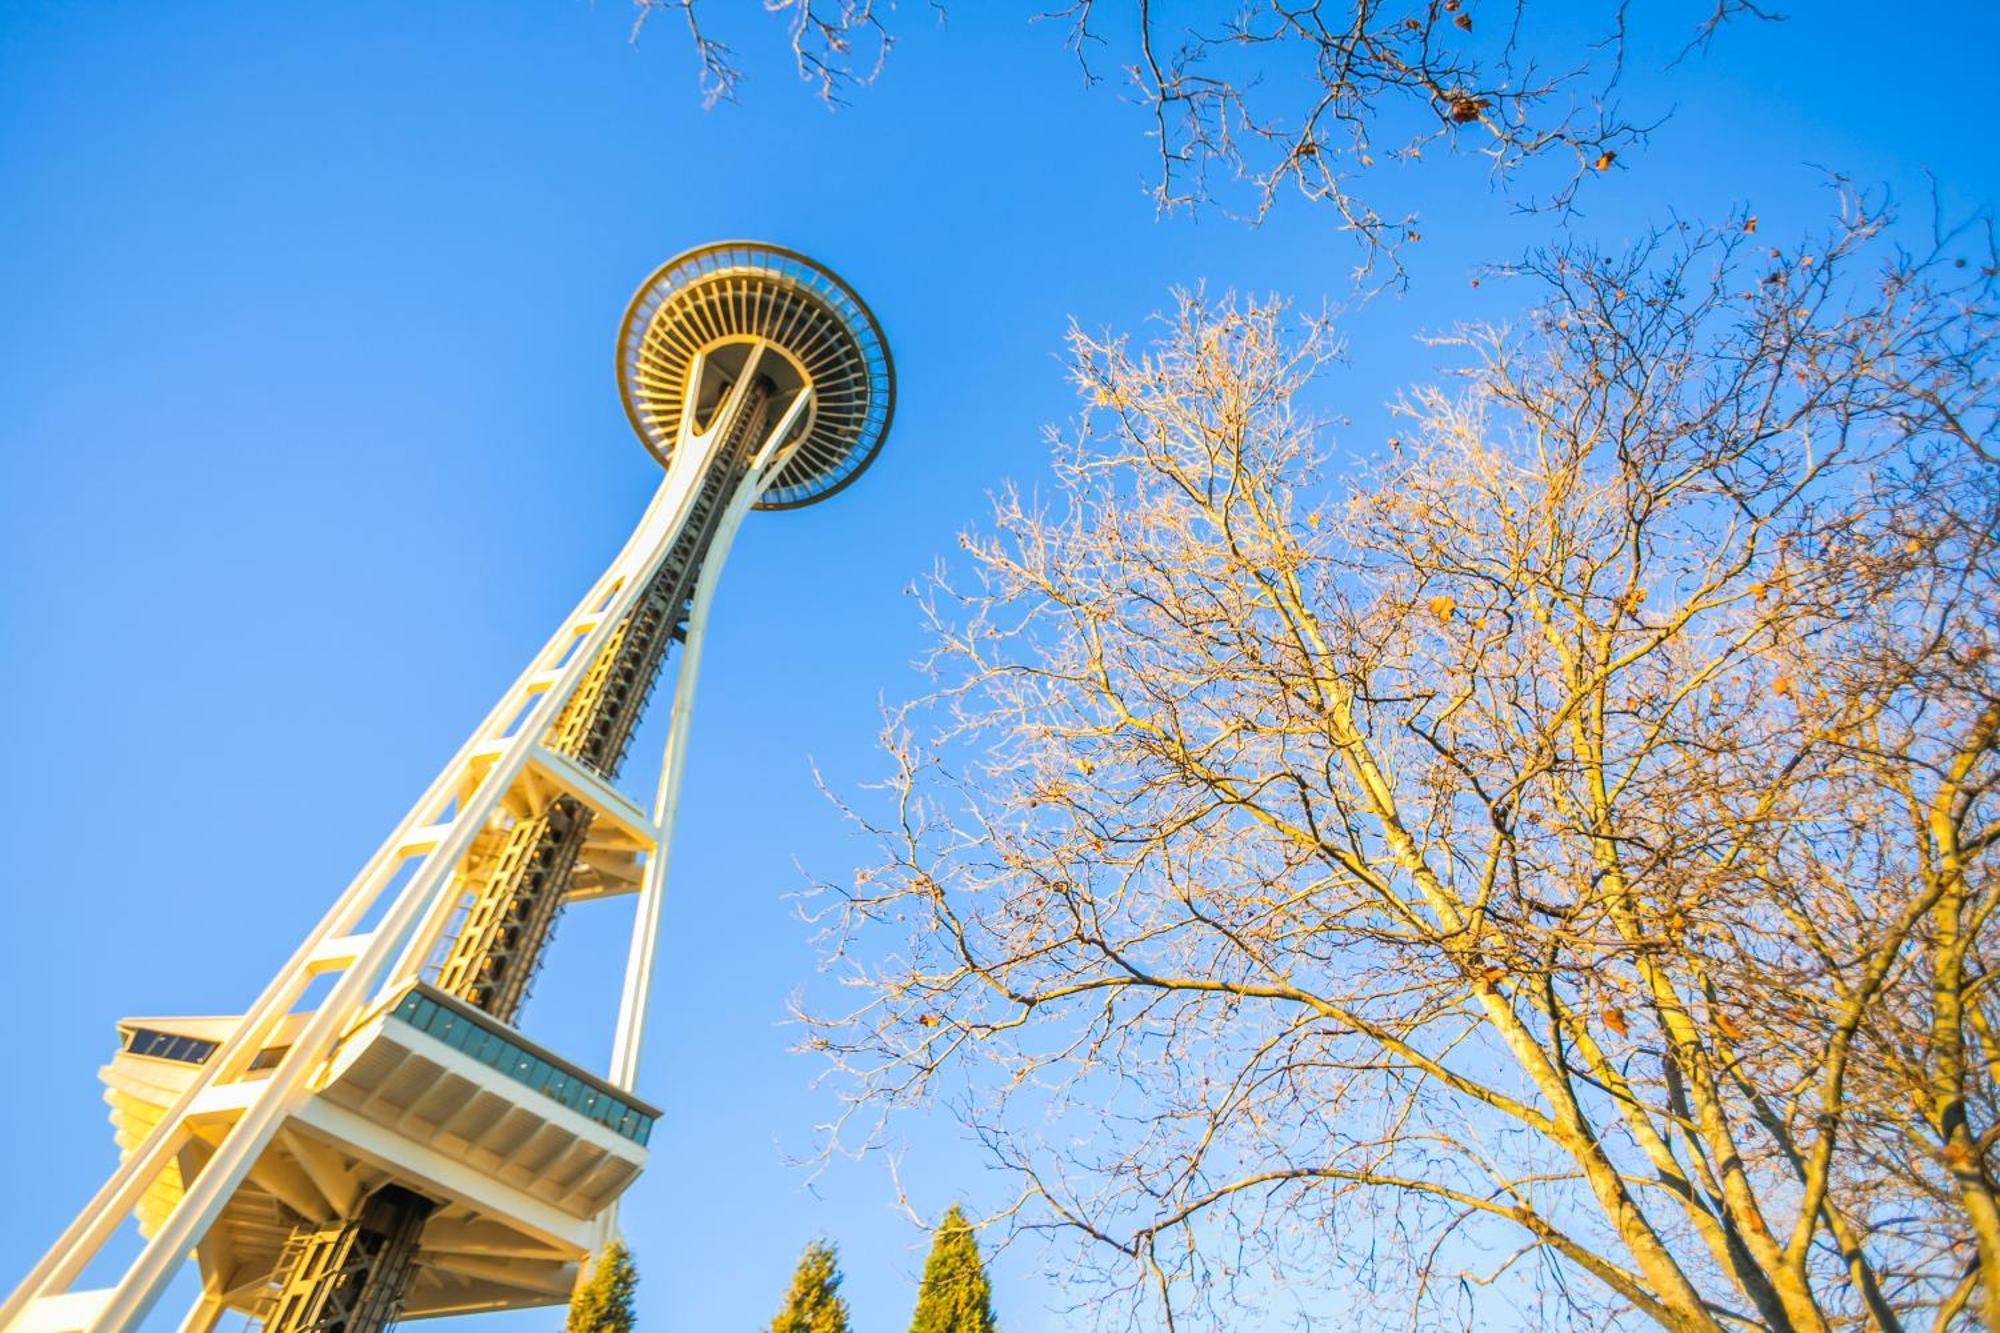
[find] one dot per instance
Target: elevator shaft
(514, 897)
(349, 1277)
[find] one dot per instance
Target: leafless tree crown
(1548, 867)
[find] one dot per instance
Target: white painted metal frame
(638, 985)
(436, 832)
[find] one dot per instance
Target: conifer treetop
(814, 1304)
(955, 1296)
(603, 1304)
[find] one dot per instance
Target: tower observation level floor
(425, 1092)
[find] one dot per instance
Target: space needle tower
(373, 1138)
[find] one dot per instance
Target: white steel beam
(638, 983)
(481, 1190)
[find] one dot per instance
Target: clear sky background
(310, 436)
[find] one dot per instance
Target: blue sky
(310, 438)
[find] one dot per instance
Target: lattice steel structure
(400, 1148)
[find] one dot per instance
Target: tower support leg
(203, 1315)
(638, 984)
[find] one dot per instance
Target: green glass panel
(496, 1051)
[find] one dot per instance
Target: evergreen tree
(813, 1305)
(603, 1304)
(955, 1296)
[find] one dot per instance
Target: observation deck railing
(497, 1046)
(463, 1028)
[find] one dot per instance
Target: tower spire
(401, 1147)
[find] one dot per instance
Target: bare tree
(1302, 96)
(1550, 865)
(836, 45)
